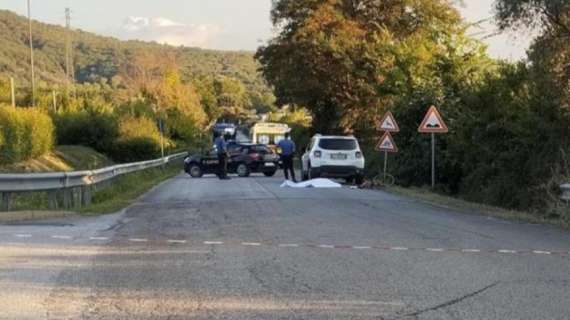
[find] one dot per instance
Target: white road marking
(470, 250)
(252, 244)
(98, 238)
(213, 242)
(288, 245)
(361, 247)
(176, 241)
(399, 248)
(23, 235)
(434, 249)
(138, 240)
(326, 246)
(506, 251)
(61, 237)
(542, 252)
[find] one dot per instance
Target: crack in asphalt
(452, 302)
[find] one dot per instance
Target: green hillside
(98, 58)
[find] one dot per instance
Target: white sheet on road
(315, 183)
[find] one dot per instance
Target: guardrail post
(52, 200)
(6, 198)
(67, 203)
(86, 195)
(76, 196)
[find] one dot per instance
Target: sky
(215, 24)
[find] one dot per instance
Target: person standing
(221, 149)
(287, 147)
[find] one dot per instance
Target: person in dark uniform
(222, 151)
(287, 147)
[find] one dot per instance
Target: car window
(337, 144)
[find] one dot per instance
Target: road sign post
(12, 92)
(433, 123)
(386, 144)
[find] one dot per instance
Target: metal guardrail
(74, 187)
(565, 188)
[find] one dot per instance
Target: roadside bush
(25, 133)
(93, 129)
(139, 139)
(135, 149)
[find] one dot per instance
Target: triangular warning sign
(387, 144)
(433, 122)
(388, 123)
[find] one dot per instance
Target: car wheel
(242, 170)
(349, 180)
(312, 173)
(359, 179)
(270, 173)
(195, 171)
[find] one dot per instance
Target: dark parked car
(244, 160)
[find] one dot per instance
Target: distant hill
(97, 58)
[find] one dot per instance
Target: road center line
(98, 238)
(326, 246)
(138, 240)
(470, 250)
(506, 251)
(252, 244)
(23, 235)
(61, 237)
(176, 241)
(542, 252)
(361, 247)
(434, 249)
(213, 242)
(399, 248)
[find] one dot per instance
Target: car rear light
(317, 154)
(358, 154)
(254, 156)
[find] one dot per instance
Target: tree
(344, 58)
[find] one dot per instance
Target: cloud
(164, 30)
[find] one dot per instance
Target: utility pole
(13, 92)
(69, 73)
(54, 97)
(32, 54)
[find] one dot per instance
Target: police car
(244, 159)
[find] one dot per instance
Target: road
(248, 249)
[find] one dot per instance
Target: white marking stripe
(23, 235)
(361, 247)
(326, 246)
(176, 241)
(399, 248)
(506, 251)
(213, 242)
(61, 237)
(471, 250)
(138, 240)
(253, 244)
(98, 238)
(288, 245)
(434, 249)
(541, 252)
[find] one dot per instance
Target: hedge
(25, 133)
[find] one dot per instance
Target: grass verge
(460, 205)
(126, 189)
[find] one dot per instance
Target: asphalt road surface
(248, 249)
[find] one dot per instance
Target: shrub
(139, 139)
(25, 133)
(93, 129)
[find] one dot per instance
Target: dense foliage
(350, 61)
(24, 134)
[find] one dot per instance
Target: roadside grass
(126, 189)
(63, 158)
(464, 206)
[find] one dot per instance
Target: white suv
(335, 157)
